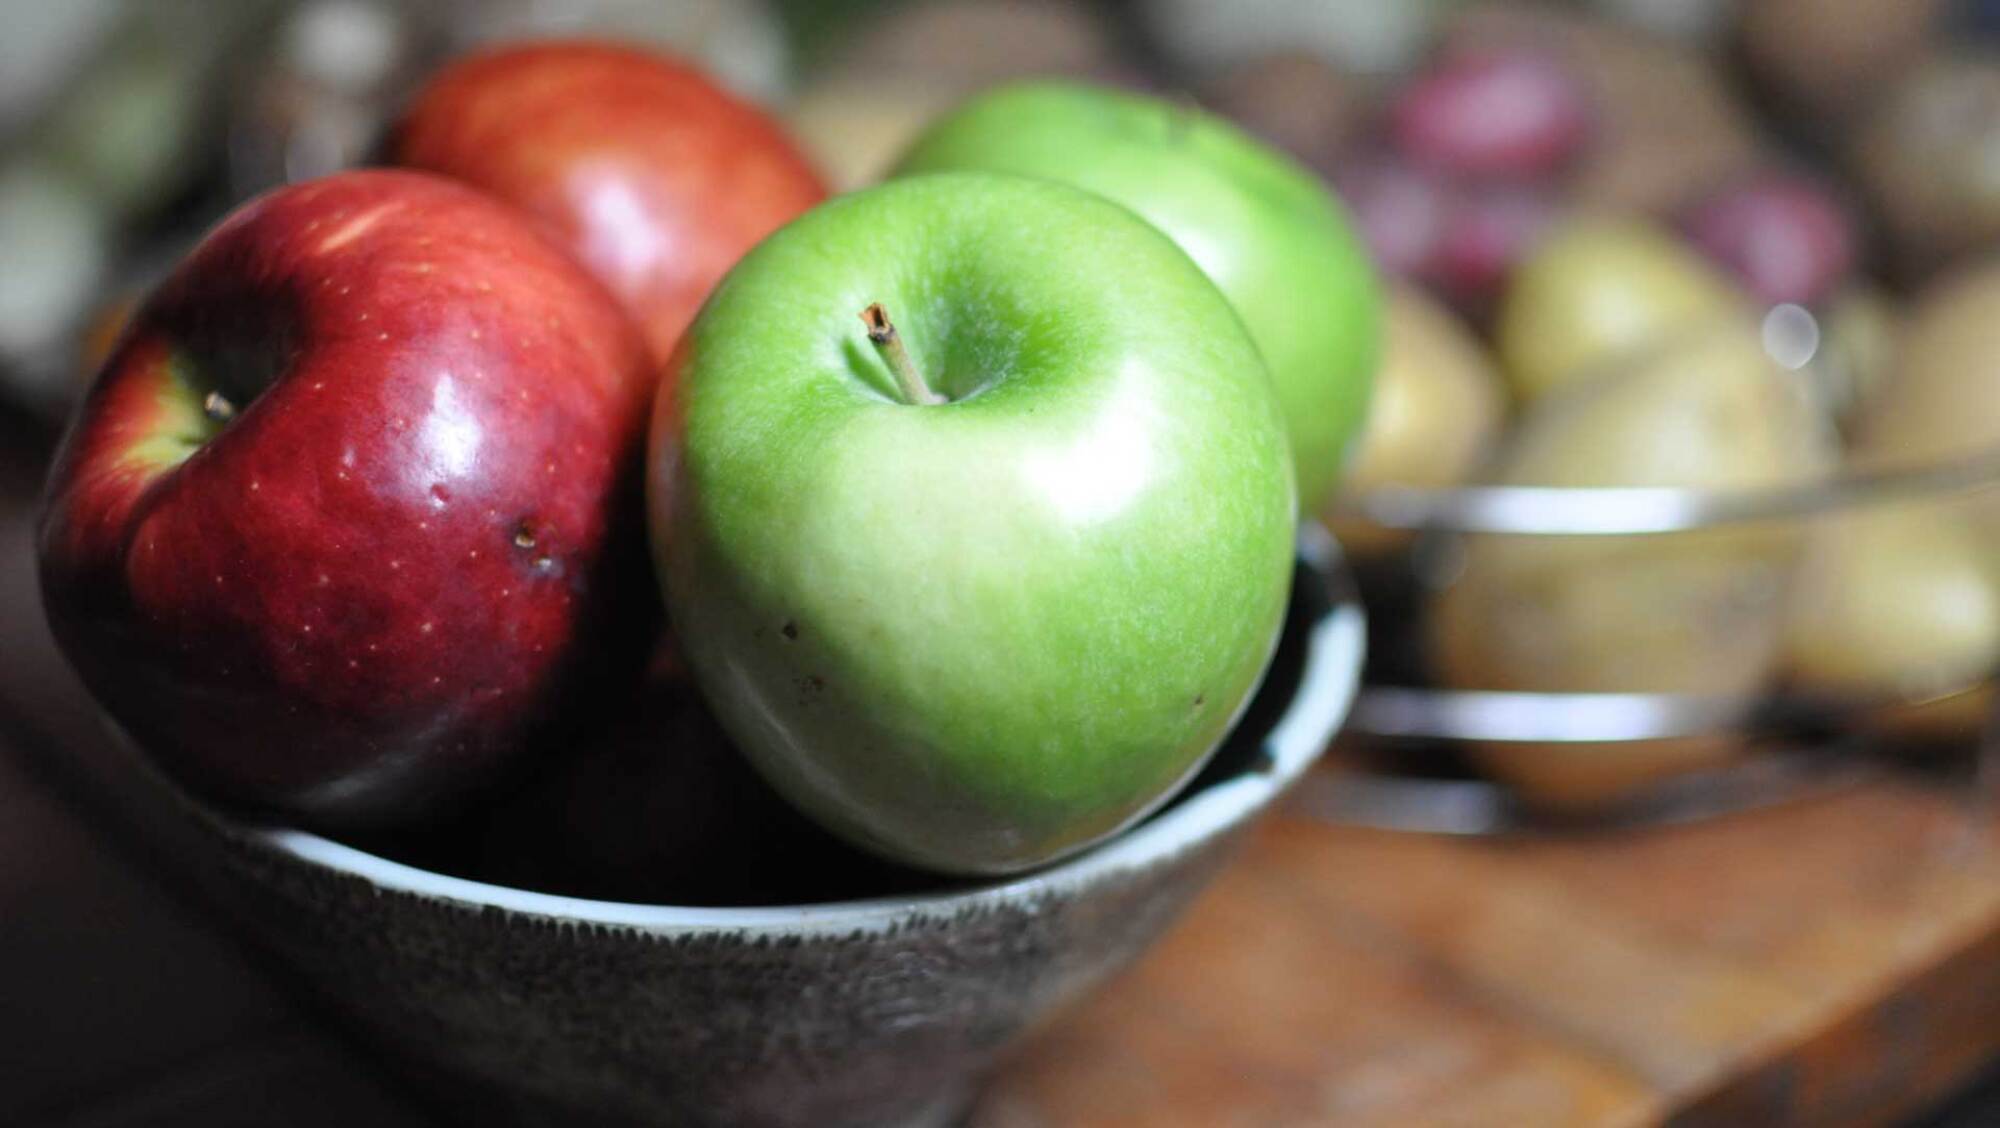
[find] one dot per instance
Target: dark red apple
(348, 517)
(1785, 237)
(653, 175)
(1507, 113)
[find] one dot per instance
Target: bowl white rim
(1328, 680)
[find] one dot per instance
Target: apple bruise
(314, 594)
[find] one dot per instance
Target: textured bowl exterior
(555, 1010)
(723, 1026)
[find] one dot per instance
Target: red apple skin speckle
(323, 610)
(656, 178)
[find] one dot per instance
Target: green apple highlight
(1275, 242)
(985, 610)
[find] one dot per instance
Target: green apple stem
(882, 334)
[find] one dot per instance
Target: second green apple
(1272, 239)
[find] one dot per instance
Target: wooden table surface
(1832, 962)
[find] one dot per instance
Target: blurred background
(1676, 495)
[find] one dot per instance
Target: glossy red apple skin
(655, 177)
(413, 548)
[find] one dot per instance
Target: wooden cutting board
(1836, 961)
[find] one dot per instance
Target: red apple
(345, 519)
(1507, 113)
(653, 175)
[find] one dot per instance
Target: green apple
(979, 580)
(1262, 227)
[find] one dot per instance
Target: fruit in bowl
(340, 527)
(348, 524)
(655, 177)
(1277, 244)
(978, 576)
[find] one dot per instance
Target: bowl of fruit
(646, 644)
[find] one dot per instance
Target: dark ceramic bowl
(531, 1008)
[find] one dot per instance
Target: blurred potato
(1438, 408)
(1942, 400)
(1595, 290)
(1897, 606)
(1696, 613)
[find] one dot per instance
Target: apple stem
(217, 407)
(882, 334)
